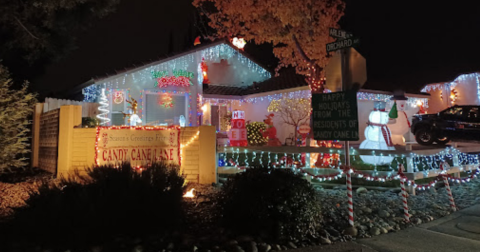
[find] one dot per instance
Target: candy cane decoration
(444, 167)
(404, 193)
(350, 196)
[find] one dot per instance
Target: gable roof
(166, 58)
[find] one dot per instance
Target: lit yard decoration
(255, 133)
(138, 145)
(238, 132)
(204, 69)
(133, 118)
(118, 97)
(378, 136)
(398, 123)
(166, 101)
(103, 108)
(292, 111)
(189, 194)
(180, 78)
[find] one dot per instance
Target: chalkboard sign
(335, 116)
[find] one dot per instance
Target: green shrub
(274, 203)
(90, 122)
(108, 203)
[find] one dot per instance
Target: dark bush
(108, 203)
(274, 203)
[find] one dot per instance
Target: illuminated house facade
(171, 89)
(464, 90)
(204, 85)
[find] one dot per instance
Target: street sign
(335, 116)
(342, 44)
(336, 33)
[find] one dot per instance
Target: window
(157, 114)
(473, 114)
(455, 111)
(117, 106)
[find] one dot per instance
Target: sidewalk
(457, 232)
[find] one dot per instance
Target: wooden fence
(48, 141)
(89, 109)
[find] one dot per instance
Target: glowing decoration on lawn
(421, 109)
(238, 133)
(166, 100)
(271, 132)
(239, 43)
(453, 96)
(189, 194)
(398, 123)
(378, 136)
(133, 118)
(118, 97)
(90, 93)
(292, 111)
(255, 133)
(182, 121)
(103, 108)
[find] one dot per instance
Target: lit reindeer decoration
(133, 118)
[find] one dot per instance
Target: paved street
(457, 232)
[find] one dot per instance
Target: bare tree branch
(25, 28)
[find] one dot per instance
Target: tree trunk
(314, 68)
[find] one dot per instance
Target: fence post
(37, 113)
(70, 116)
(207, 165)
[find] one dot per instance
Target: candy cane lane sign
(138, 145)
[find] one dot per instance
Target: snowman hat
(399, 96)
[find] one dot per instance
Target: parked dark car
(457, 122)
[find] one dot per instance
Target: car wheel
(442, 140)
(424, 137)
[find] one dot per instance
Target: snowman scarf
(385, 132)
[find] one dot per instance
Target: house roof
(166, 58)
(288, 79)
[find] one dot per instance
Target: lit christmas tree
(103, 116)
(255, 133)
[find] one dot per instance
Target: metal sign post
(344, 69)
(345, 41)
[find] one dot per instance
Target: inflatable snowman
(398, 123)
(378, 136)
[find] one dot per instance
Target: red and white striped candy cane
(350, 196)
(404, 200)
(443, 167)
(450, 196)
(404, 193)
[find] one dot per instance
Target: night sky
(406, 44)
